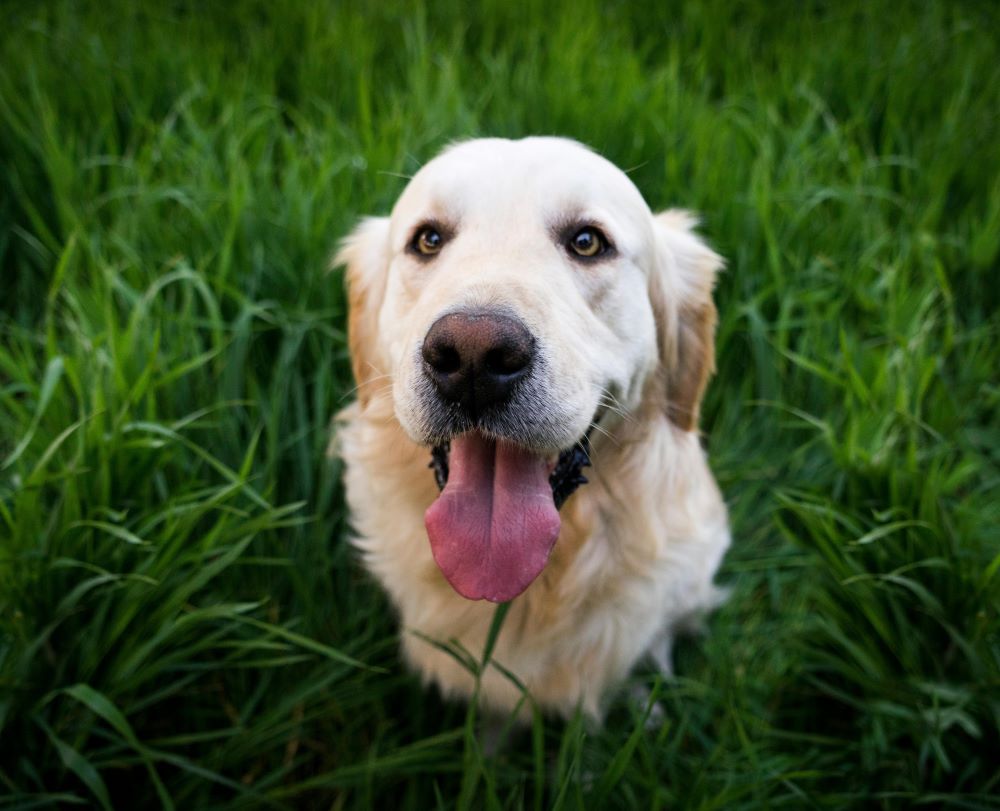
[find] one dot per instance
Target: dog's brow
(574, 217)
(563, 227)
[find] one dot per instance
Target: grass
(182, 624)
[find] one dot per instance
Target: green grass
(182, 624)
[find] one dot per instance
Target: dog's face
(520, 292)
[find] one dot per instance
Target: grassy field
(182, 623)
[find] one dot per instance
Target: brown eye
(588, 242)
(428, 241)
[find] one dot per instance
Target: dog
(525, 333)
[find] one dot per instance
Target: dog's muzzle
(495, 522)
(475, 359)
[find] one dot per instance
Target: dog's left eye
(427, 241)
(588, 242)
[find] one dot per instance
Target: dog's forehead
(547, 176)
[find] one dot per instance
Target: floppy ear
(365, 252)
(681, 293)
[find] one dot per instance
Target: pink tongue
(493, 526)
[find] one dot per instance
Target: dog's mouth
(496, 520)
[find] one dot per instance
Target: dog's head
(519, 292)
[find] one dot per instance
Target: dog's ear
(681, 294)
(365, 253)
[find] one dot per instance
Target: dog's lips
(495, 523)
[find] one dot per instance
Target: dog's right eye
(427, 241)
(588, 243)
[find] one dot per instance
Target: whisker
(635, 168)
(604, 432)
(377, 379)
(612, 409)
(613, 404)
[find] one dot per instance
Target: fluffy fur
(628, 339)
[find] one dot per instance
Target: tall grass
(182, 624)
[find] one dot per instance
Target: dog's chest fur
(633, 563)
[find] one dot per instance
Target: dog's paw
(641, 699)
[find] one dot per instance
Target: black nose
(475, 358)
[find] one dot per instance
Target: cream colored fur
(630, 339)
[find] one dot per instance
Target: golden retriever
(520, 314)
